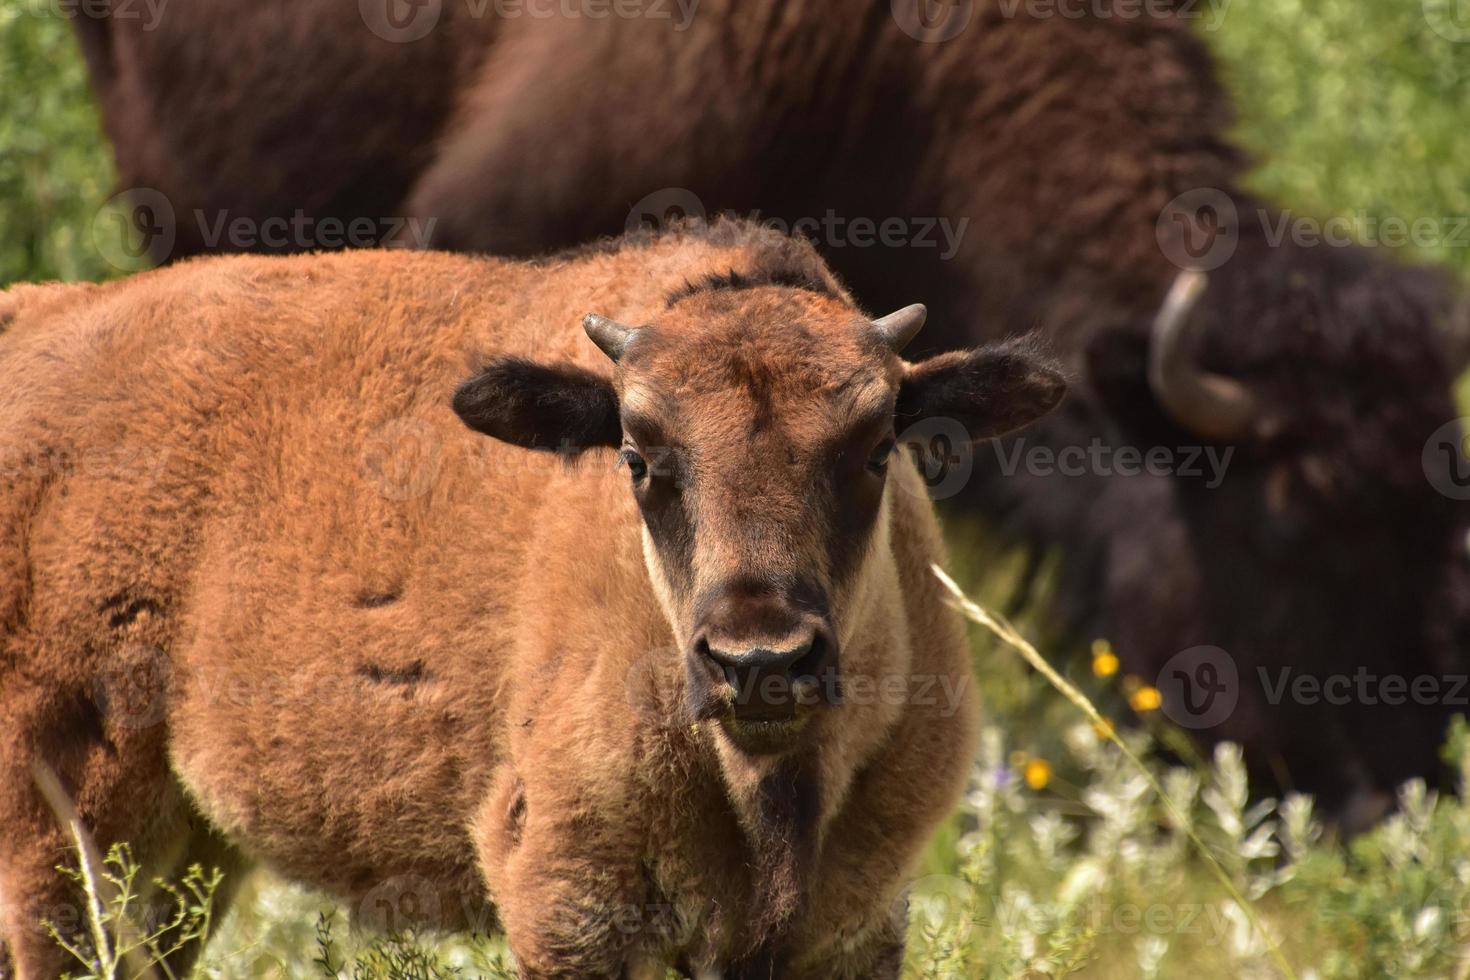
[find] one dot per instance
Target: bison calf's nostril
(765, 661)
(768, 681)
(812, 661)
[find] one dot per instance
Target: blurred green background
(1357, 107)
(55, 169)
(1352, 107)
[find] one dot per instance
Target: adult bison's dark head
(1334, 547)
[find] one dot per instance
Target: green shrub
(121, 939)
(1357, 108)
(55, 169)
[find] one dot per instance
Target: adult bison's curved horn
(1209, 405)
(1457, 335)
(610, 335)
(898, 328)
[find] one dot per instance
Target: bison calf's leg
(567, 886)
(114, 780)
(33, 894)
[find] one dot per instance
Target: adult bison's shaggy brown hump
(171, 83)
(1048, 145)
(265, 579)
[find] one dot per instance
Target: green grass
(1087, 873)
(1092, 873)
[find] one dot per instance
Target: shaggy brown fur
(194, 120)
(254, 568)
(1058, 138)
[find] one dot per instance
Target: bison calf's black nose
(770, 681)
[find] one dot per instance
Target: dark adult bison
(1077, 162)
(643, 693)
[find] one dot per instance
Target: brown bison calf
(679, 691)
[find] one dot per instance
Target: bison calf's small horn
(1209, 405)
(610, 336)
(898, 328)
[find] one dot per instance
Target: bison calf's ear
(562, 409)
(989, 391)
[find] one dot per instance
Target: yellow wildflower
(1146, 698)
(1038, 773)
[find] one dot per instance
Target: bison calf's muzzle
(760, 666)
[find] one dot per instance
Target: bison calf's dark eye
(636, 464)
(878, 458)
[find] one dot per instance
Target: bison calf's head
(757, 424)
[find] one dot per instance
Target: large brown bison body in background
(253, 567)
(1045, 143)
(1051, 147)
